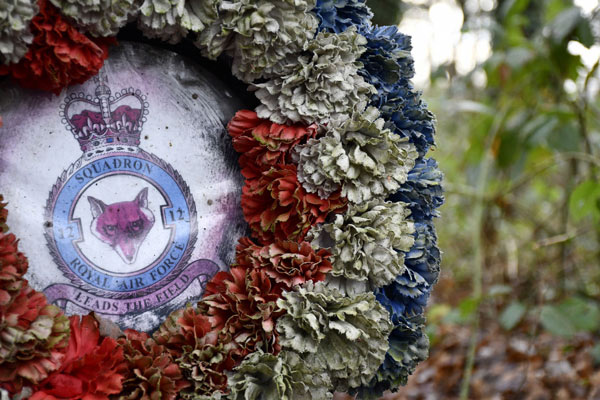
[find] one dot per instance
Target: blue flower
(389, 67)
(407, 115)
(405, 299)
(409, 345)
(423, 190)
(387, 62)
(407, 295)
(337, 15)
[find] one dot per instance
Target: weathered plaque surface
(124, 190)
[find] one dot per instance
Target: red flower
(93, 368)
(13, 265)
(287, 263)
(203, 354)
(33, 335)
(3, 210)
(151, 371)
(59, 55)
(262, 143)
(278, 208)
(241, 303)
(185, 327)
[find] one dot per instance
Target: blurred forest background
(515, 88)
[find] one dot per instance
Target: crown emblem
(105, 123)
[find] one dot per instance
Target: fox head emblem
(123, 225)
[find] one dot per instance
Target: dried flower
(258, 34)
(93, 367)
(59, 55)
(345, 337)
(15, 36)
(287, 263)
(321, 85)
(151, 371)
(277, 207)
(263, 144)
(368, 241)
(99, 17)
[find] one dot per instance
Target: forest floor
(508, 366)
(525, 363)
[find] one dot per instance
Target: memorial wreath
(329, 292)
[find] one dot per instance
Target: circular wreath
(329, 293)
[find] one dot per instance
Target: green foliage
(585, 201)
(533, 123)
(512, 315)
(571, 316)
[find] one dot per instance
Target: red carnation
(151, 371)
(3, 210)
(203, 354)
(33, 335)
(59, 55)
(13, 265)
(93, 368)
(277, 206)
(262, 143)
(241, 303)
(287, 263)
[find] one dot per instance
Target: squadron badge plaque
(133, 226)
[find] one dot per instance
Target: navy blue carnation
(337, 15)
(407, 295)
(423, 190)
(389, 67)
(405, 299)
(407, 115)
(409, 345)
(387, 62)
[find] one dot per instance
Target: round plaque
(124, 190)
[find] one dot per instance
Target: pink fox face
(124, 225)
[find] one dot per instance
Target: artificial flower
(422, 190)
(3, 209)
(33, 335)
(277, 206)
(99, 17)
(360, 155)
(406, 114)
(338, 15)
(259, 34)
(387, 62)
(15, 35)
(409, 345)
(287, 263)
(321, 85)
(203, 354)
(171, 20)
(368, 241)
(263, 144)
(284, 377)
(343, 336)
(93, 367)
(151, 371)
(59, 55)
(241, 303)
